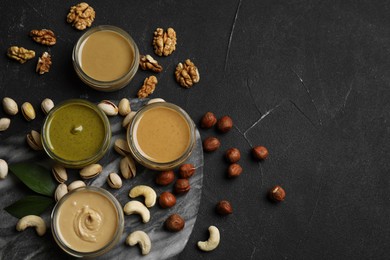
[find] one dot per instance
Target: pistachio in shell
(10, 106)
(34, 140)
(28, 111)
(124, 107)
(60, 191)
(114, 180)
(127, 167)
(91, 171)
(108, 107)
(4, 123)
(46, 105)
(76, 184)
(59, 173)
(122, 147)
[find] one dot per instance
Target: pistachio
(61, 190)
(76, 184)
(155, 100)
(124, 107)
(127, 167)
(108, 107)
(114, 180)
(59, 173)
(4, 123)
(10, 106)
(122, 147)
(34, 140)
(3, 169)
(28, 111)
(46, 105)
(91, 171)
(127, 120)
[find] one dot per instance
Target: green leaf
(29, 205)
(36, 177)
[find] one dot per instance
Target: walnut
(187, 75)
(148, 87)
(44, 36)
(20, 54)
(148, 63)
(164, 42)
(81, 16)
(44, 63)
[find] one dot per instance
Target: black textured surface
(308, 79)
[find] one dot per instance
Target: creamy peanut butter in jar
(87, 222)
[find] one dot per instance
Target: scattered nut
(127, 167)
(122, 147)
(186, 170)
(3, 169)
(28, 111)
(136, 207)
(108, 107)
(46, 105)
(182, 186)
(34, 140)
(211, 144)
(32, 221)
(224, 124)
(233, 155)
(124, 107)
(187, 75)
(146, 191)
(81, 16)
(76, 184)
(234, 170)
(140, 238)
(114, 181)
(44, 63)
(165, 178)
(20, 54)
(277, 194)
(213, 241)
(260, 152)
(91, 171)
(61, 190)
(155, 100)
(59, 173)
(167, 200)
(148, 87)
(4, 123)
(208, 120)
(128, 118)
(44, 36)
(164, 43)
(10, 106)
(224, 207)
(148, 63)
(174, 223)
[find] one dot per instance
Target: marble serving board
(165, 245)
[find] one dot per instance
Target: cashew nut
(212, 242)
(32, 221)
(136, 207)
(141, 238)
(147, 192)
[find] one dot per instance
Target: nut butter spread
(87, 221)
(162, 134)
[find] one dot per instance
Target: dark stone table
(307, 79)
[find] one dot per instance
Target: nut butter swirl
(87, 223)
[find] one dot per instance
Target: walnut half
(187, 74)
(148, 63)
(81, 16)
(164, 43)
(148, 87)
(44, 36)
(20, 54)
(44, 63)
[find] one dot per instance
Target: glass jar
(106, 58)
(161, 136)
(76, 133)
(87, 222)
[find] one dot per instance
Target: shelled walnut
(44, 36)
(81, 16)
(148, 87)
(187, 74)
(20, 54)
(164, 43)
(44, 63)
(148, 63)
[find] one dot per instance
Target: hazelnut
(167, 200)
(211, 143)
(182, 186)
(224, 124)
(208, 120)
(174, 223)
(186, 170)
(234, 170)
(224, 208)
(233, 155)
(277, 193)
(165, 178)
(260, 152)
